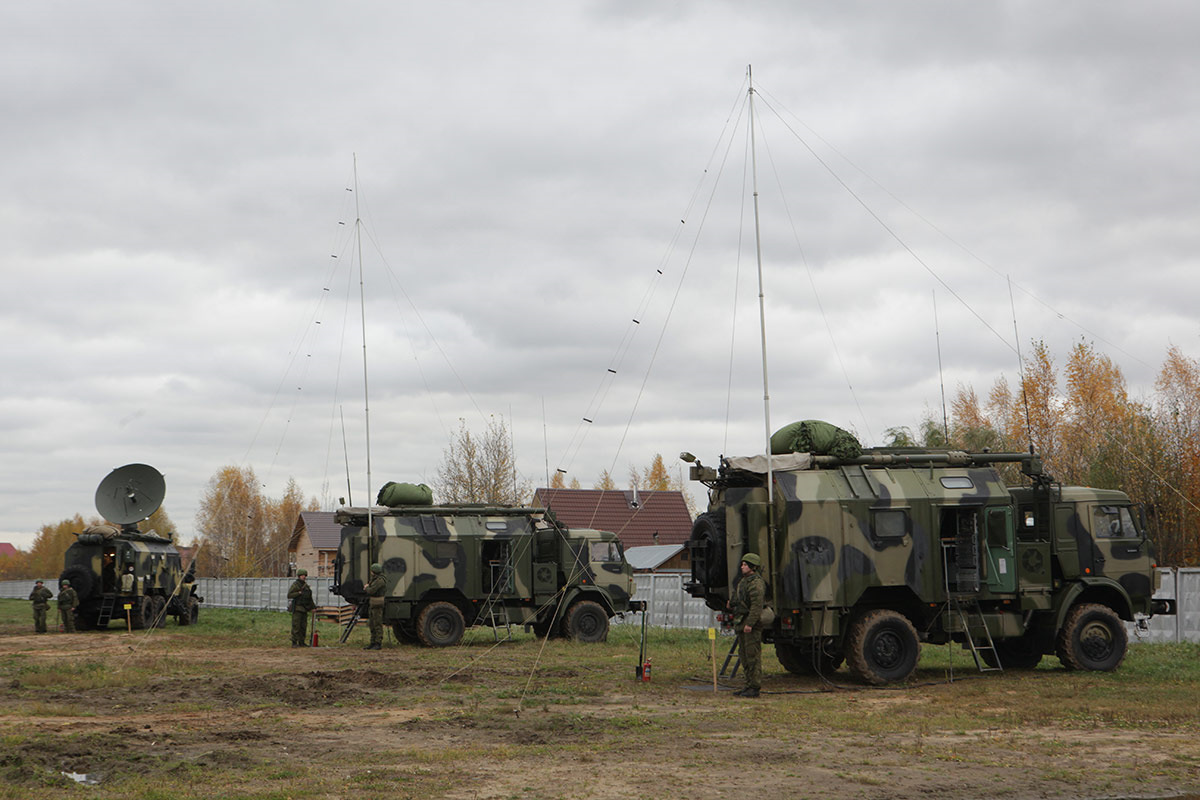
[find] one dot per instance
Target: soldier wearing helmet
(68, 599)
(374, 591)
(301, 604)
(747, 620)
(41, 604)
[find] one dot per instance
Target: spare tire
(707, 545)
(81, 578)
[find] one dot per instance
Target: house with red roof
(639, 518)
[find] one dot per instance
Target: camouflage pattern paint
(474, 556)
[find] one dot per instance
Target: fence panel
(669, 606)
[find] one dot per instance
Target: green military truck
(101, 554)
(450, 567)
(866, 556)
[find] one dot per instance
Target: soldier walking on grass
(374, 591)
(747, 617)
(301, 604)
(41, 604)
(67, 602)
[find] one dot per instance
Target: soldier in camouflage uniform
(301, 605)
(41, 604)
(747, 620)
(68, 599)
(375, 590)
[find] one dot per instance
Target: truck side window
(607, 552)
(1113, 522)
(891, 523)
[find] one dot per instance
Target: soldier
(67, 601)
(747, 615)
(300, 595)
(128, 580)
(374, 591)
(41, 604)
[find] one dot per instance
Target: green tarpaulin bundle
(815, 436)
(405, 494)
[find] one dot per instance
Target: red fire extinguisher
(315, 637)
(646, 670)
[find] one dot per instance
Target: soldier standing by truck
(301, 605)
(374, 591)
(67, 602)
(41, 604)
(747, 615)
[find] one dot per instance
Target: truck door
(1001, 551)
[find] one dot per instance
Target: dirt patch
(403, 723)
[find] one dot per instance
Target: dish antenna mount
(130, 494)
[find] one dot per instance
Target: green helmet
(300, 572)
(66, 582)
(752, 559)
(377, 568)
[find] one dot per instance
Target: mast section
(362, 306)
(762, 313)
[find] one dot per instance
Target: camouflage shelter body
(99, 556)
(866, 556)
(450, 567)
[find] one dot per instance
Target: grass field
(226, 709)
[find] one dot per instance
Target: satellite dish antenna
(130, 493)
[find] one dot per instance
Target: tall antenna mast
(362, 304)
(1020, 365)
(937, 335)
(762, 313)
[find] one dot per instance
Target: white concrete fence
(669, 606)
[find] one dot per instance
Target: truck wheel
(882, 647)
(586, 622)
(1092, 638)
(801, 660)
(709, 533)
(143, 615)
(160, 611)
(440, 624)
(80, 578)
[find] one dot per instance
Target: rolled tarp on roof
(758, 464)
(816, 437)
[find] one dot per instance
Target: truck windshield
(606, 552)
(1113, 522)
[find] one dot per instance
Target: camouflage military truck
(867, 556)
(451, 567)
(101, 554)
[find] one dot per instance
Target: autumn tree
(281, 516)
(1088, 431)
(480, 468)
(52, 541)
(605, 482)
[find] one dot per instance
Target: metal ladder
(971, 617)
(352, 622)
(106, 609)
(494, 610)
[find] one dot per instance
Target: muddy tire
(708, 536)
(159, 611)
(801, 660)
(882, 647)
(1093, 638)
(586, 621)
(440, 624)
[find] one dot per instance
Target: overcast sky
(176, 182)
